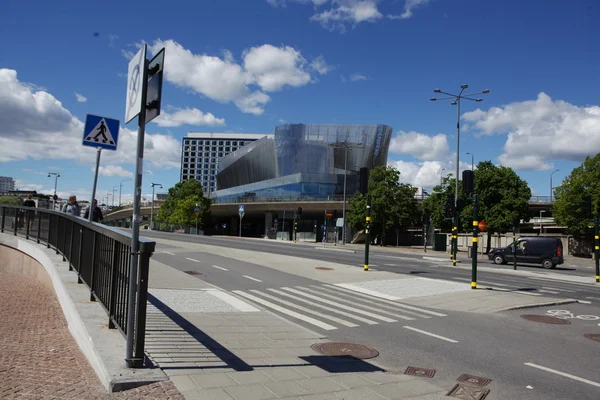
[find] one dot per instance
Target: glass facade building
(302, 162)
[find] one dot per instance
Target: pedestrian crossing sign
(101, 132)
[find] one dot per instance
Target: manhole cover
(324, 268)
(345, 349)
(546, 319)
(592, 336)
(474, 380)
(417, 371)
(468, 392)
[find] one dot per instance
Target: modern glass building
(302, 162)
(201, 152)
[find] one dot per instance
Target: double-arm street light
(56, 176)
(113, 194)
(457, 98)
(152, 206)
(551, 188)
(121, 189)
(472, 160)
(442, 177)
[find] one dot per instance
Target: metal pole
(455, 236)
(196, 225)
(551, 187)
(135, 221)
(99, 151)
(597, 247)
(152, 210)
(241, 225)
(475, 239)
(344, 205)
(367, 233)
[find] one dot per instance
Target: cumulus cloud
(426, 174)
(223, 80)
(23, 185)
(357, 77)
(80, 98)
(420, 145)
(113, 170)
(187, 116)
(540, 131)
(409, 5)
(35, 125)
(320, 65)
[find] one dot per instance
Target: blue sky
(247, 66)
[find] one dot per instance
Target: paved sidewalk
(39, 358)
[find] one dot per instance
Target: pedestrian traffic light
(468, 182)
(587, 205)
(449, 206)
(299, 212)
(363, 181)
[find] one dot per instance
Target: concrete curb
(87, 321)
(545, 304)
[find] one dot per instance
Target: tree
(568, 208)
(393, 204)
(434, 205)
(178, 209)
(10, 200)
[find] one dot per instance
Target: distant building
(7, 184)
(201, 152)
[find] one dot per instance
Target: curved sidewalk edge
(87, 321)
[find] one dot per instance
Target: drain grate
(592, 336)
(418, 371)
(468, 392)
(474, 380)
(324, 268)
(338, 349)
(546, 319)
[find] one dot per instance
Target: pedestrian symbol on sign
(102, 128)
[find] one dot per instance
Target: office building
(201, 152)
(7, 184)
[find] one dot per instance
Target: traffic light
(299, 212)
(468, 182)
(587, 205)
(363, 181)
(449, 206)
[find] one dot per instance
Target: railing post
(91, 266)
(113, 286)
(49, 229)
(140, 321)
(3, 219)
(27, 213)
(80, 250)
(39, 228)
(64, 247)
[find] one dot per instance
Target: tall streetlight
(442, 177)
(541, 226)
(121, 188)
(113, 192)
(56, 176)
(457, 98)
(551, 188)
(152, 207)
(472, 161)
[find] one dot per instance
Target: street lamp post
(442, 177)
(541, 225)
(56, 176)
(551, 189)
(113, 192)
(472, 160)
(457, 98)
(152, 206)
(121, 188)
(347, 147)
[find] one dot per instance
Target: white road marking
(367, 291)
(559, 289)
(431, 334)
(584, 301)
(343, 307)
(221, 268)
(169, 253)
(547, 291)
(319, 292)
(576, 378)
(282, 310)
(251, 278)
(191, 259)
(290, 304)
(390, 265)
(517, 291)
(313, 304)
(593, 298)
(339, 287)
(233, 301)
(495, 284)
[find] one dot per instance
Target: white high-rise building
(201, 152)
(6, 184)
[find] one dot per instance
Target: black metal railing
(101, 257)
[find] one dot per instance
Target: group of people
(71, 208)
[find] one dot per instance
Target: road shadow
(340, 364)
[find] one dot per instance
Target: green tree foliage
(568, 208)
(178, 209)
(10, 200)
(434, 205)
(393, 204)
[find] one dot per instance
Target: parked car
(547, 251)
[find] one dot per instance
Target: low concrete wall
(87, 321)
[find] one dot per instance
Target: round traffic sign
(482, 226)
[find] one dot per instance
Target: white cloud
(113, 170)
(187, 116)
(409, 5)
(541, 131)
(22, 185)
(419, 145)
(128, 54)
(427, 174)
(320, 65)
(272, 67)
(33, 171)
(35, 125)
(347, 11)
(80, 98)
(357, 77)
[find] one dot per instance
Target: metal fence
(101, 257)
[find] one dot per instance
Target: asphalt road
(524, 359)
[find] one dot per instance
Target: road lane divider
(192, 259)
(221, 268)
(566, 375)
(251, 278)
(169, 253)
(430, 334)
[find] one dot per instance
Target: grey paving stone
(213, 380)
(285, 361)
(183, 371)
(252, 353)
(352, 380)
(286, 389)
(321, 385)
(250, 392)
(286, 352)
(321, 396)
(392, 391)
(184, 383)
(279, 343)
(359, 394)
(249, 336)
(383, 377)
(207, 394)
(252, 344)
(280, 374)
(420, 387)
(256, 376)
(312, 371)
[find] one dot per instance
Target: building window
(227, 143)
(185, 159)
(234, 143)
(220, 148)
(199, 142)
(213, 155)
(220, 155)
(220, 143)
(193, 142)
(185, 171)
(193, 154)
(228, 149)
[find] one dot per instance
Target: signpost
(101, 133)
(241, 214)
(197, 213)
(136, 105)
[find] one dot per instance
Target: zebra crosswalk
(331, 307)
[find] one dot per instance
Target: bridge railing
(101, 257)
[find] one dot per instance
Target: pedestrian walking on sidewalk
(72, 207)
